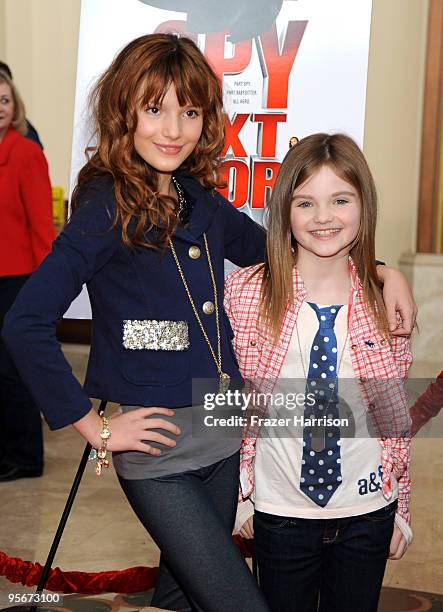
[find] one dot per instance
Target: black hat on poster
(243, 20)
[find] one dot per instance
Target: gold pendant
(225, 379)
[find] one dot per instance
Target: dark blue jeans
(325, 565)
(190, 516)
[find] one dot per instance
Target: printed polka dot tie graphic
(321, 462)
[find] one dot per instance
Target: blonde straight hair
(344, 157)
(19, 117)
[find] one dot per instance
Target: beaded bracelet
(99, 456)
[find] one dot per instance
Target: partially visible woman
(30, 131)
(26, 234)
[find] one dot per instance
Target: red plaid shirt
(379, 365)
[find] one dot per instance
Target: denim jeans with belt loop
(325, 565)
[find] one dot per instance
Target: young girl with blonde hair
(330, 506)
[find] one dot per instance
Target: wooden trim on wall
(428, 230)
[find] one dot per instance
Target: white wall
(2, 29)
(394, 118)
(40, 45)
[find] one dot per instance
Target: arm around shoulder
(401, 308)
(244, 239)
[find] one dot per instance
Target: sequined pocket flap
(155, 335)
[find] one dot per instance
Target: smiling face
(6, 108)
(167, 133)
(325, 215)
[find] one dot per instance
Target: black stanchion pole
(65, 515)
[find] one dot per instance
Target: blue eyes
(306, 204)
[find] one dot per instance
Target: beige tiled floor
(103, 533)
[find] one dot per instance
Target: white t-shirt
(279, 449)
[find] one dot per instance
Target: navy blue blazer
(146, 343)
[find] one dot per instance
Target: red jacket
(26, 226)
(428, 405)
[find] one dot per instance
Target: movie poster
(289, 68)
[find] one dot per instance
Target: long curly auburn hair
(140, 75)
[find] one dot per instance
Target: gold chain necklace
(224, 378)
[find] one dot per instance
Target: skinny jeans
(190, 516)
